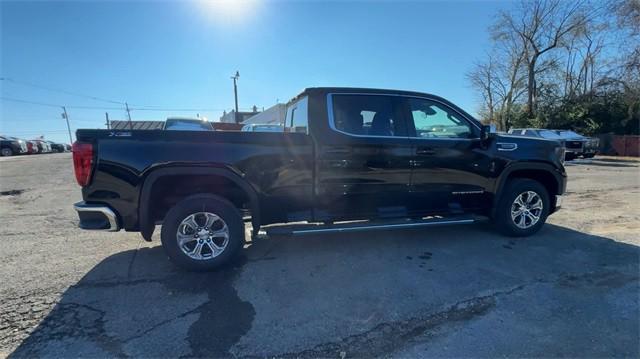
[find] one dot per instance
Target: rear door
(450, 167)
(364, 161)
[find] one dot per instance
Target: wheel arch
(156, 176)
(548, 175)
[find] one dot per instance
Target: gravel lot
(572, 290)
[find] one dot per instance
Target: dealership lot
(571, 290)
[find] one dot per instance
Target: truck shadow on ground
(294, 296)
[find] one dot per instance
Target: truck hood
(530, 148)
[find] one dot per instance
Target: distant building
(274, 115)
(230, 117)
(136, 125)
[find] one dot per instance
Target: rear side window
(366, 115)
(297, 116)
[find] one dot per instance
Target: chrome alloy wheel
(526, 209)
(202, 236)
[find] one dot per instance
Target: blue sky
(181, 55)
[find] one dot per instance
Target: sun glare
(231, 10)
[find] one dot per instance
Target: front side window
(366, 115)
(434, 120)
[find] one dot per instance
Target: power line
(39, 132)
(24, 83)
(96, 98)
(28, 102)
(53, 105)
(177, 109)
(145, 108)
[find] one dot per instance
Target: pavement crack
(166, 321)
(389, 336)
(110, 284)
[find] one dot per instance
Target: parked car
(43, 146)
(10, 146)
(575, 145)
(31, 147)
(578, 144)
(35, 147)
(67, 147)
(56, 147)
(187, 124)
(255, 127)
(395, 159)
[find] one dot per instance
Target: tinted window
(434, 120)
(365, 115)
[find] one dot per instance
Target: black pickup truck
(391, 158)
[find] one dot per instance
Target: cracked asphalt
(572, 290)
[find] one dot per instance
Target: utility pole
(66, 117)
(235, 94)
(106, 115)
(129, 116)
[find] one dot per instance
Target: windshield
(550, 135)
(569, 134)
(188, 125)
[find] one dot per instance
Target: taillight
(82, 162)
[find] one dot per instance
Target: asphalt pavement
(572, 290)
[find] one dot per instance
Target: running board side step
(302, 229)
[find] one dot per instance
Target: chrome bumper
(96, 217)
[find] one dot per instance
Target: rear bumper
(96, 217)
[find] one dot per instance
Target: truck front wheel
(202, 232)
(523, 208)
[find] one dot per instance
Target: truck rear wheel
(523, 208)
(202, 232)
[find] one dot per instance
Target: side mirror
(486, 131)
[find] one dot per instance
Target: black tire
(6, 151)
(195, 204)
(589, 155)
(503, 220)
(569, 156)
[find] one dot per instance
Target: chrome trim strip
(106, 211)
(382, 226)
(333, 126)
(515, 146)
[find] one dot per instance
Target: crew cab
(367, 158)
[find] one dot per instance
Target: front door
(364, 164)
(450, 167)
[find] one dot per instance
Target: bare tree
(542, 26)
(482, 79)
